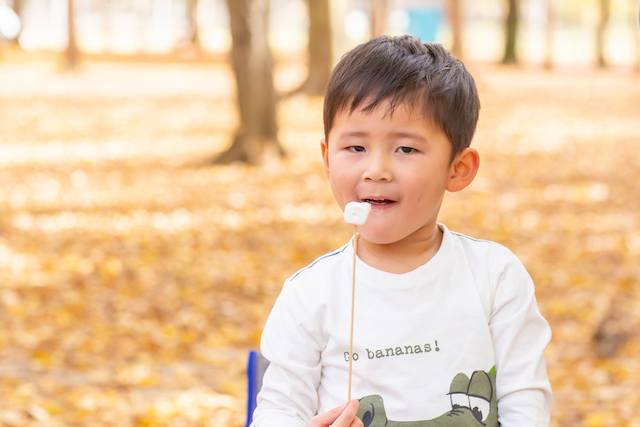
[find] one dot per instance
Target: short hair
(404, 71)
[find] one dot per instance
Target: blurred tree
(511, 33)
(340, 43)
(17, 8)
(252, 64)
(603, 23)
(455, 16)
(72, 50)
(319, 49)
(378, 17)
(635, 20)
(16, 5)
(550, 29)
(192, 18)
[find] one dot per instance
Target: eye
(367, 418)
(459, 400)
(479, 407)
(356, 148)
(406, 150)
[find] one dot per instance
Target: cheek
(342, 176)
(340, 187)
(428, 191)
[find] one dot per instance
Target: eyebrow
(405, 135)
(409, 135)
(353, 134)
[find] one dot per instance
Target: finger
(348, 415)
(357, 423)
(327, 418)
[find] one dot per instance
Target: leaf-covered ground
(134, 276)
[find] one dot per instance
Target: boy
(447, 329)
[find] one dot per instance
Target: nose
(378, 168)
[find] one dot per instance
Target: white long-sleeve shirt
(470, 308)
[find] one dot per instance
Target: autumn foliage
(135, 276)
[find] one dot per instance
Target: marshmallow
(356, 213)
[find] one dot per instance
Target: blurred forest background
(160, 177)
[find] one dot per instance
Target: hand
(342, 416)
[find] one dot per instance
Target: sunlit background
(160, 26)
(136, 274)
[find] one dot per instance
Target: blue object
(256, 368)
(424, 23)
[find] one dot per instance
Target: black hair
(404, 71)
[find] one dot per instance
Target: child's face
(400, 163)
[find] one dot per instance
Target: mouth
(375, 202)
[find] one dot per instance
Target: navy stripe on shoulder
(327, 255)
(474, 239)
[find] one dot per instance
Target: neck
(402, 256)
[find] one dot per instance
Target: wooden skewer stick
(353, 300)
(356, 214)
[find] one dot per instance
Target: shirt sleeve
(520, 335)
(290, 341)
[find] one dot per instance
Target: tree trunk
(17, 8)
(603, 23)
(550, 29)
(252, 63)
(378, 17)
(455, 15)
(72, 50)
(320, 52)
(511, 33)
(338, 10)
(635, 6)
(192, 18)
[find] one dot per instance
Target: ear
(325, 155)
(463, 169)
